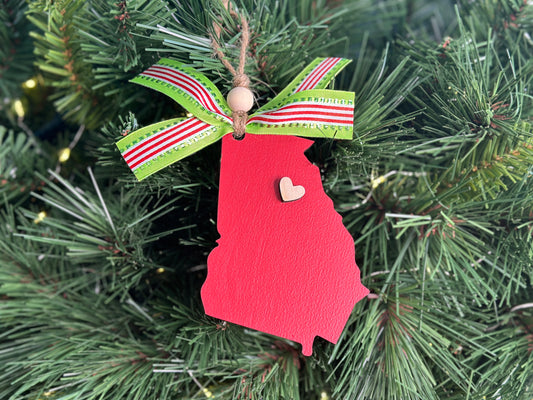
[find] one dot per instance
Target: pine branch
(59, 57)
(110, 249)
(89, 50)
(408, 334)
(474, 104)
(504, 365)
(114, 44)
(429, 19)
(226, 359)
(285, 36)
(380, 90)
(15, 49)
(459, 232)
(71, 345)
(17, 179)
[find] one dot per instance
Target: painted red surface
(284, 268)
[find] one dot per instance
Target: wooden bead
(240, 99)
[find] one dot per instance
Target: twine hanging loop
(240, 101)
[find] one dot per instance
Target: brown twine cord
(240, 79)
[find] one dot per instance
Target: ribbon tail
(156, 146)
(311, 113)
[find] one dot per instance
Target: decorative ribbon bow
(303, 108)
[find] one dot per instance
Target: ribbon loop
(310, 113)
(189, 88)
(316, 75)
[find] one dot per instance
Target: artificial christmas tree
(100, 275)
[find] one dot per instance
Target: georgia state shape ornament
(282, 267)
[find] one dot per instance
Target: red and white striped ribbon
(149, 149)
(317, 74)
(163, 141)
(188, 84)
(307, 112)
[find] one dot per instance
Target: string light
(64, 155)
(160, 270)
(40, 217)
(378, 181)
(383, 178)
(206, 391)
(30, 83)
(324, 396)
(19, 109)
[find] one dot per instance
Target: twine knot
(240, 118)
(241, 80)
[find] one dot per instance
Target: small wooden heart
(288, 191)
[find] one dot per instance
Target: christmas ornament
(284, 264)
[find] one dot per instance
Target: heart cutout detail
(288, 191)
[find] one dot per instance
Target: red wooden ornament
(286, 268)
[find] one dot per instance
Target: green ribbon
(303, 108)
